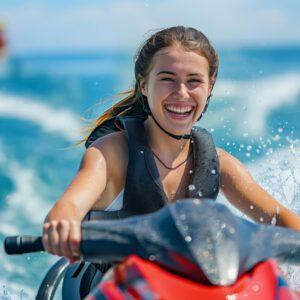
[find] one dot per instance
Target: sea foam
(57, 121)
(249, 102)
(27, 196)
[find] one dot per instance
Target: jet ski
(192, 248)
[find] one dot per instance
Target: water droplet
(200, 194)
(188, 238)
(261, 219)
(191, 171)
(255, 288)
(182, 217)
(152, 257)
(280, 130)
(213, 171)
(248, 154)
(192, 187)
(274, 221)
(232, 230)
(251, 207)
(249, 148)
(142, 152)
(276, 138)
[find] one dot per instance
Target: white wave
(58, 121)
(24, 211)
(27, 197)
(250, 102)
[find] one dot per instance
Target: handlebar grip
(23, 244)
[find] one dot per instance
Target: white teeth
(179, 109)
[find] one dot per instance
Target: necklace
(176, 167)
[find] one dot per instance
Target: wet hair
(133, 102)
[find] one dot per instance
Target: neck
(163, 144)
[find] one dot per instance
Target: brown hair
(189, 38)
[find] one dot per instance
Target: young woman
(152, 155)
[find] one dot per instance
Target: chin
(179, 130)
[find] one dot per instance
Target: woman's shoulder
(225, 156)
(115, 139)
(111, 146)
(108, 153)
(230, 166)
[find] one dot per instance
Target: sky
(78, 25)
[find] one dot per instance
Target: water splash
(279, 174)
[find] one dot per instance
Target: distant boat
(4, 59)
(3, 45)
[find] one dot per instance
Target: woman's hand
(62, 238)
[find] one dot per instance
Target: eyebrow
(172, 73)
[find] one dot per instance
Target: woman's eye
(195, 80)
(167, 79)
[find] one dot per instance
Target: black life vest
(143, 192)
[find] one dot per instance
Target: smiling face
(177, 88)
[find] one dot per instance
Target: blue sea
(46, 100)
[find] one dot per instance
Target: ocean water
(45, 99)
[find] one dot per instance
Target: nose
(182, 91)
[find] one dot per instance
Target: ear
(212, 82)
(143, 86)
(210, 88)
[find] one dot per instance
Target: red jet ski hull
(136, 278)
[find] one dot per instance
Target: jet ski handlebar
(23, 244)
(194, 238)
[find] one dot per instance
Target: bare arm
(61, 230)
(97, 176)
(249, 197)
(84, 190)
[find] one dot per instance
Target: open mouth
(179, 110)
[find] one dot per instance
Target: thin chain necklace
(176, 167)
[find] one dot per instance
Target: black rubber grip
(23, 244)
